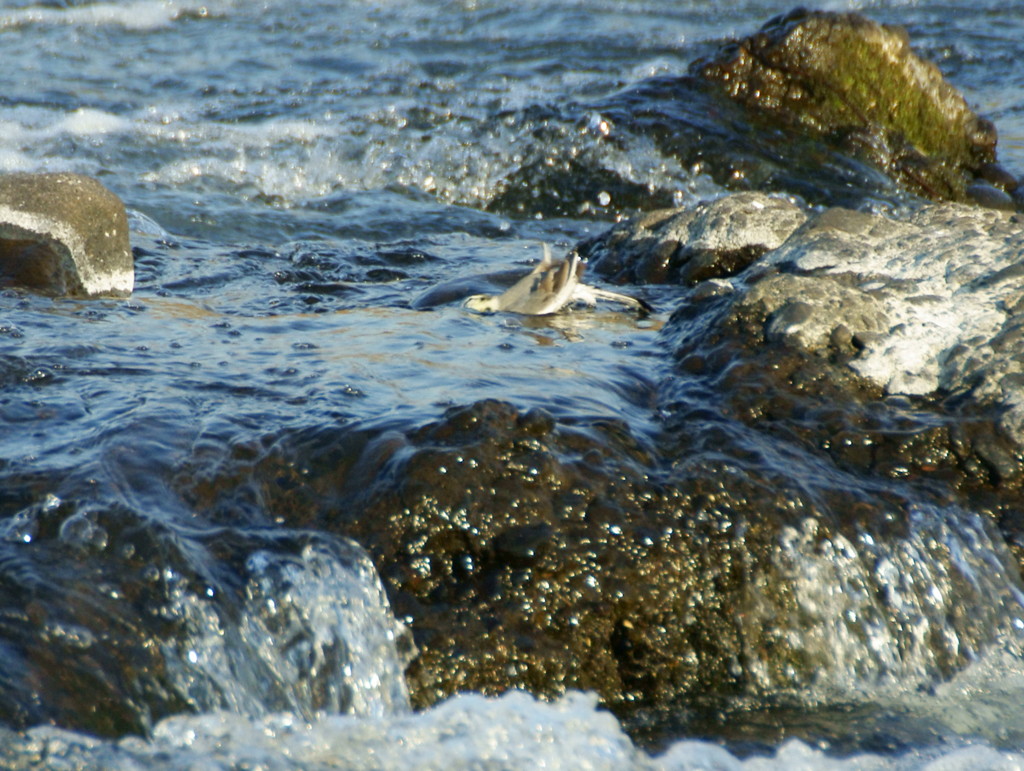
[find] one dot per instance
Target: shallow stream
(299, 176)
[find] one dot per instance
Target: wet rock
(988, 195)
(944, 281)
(812, 315)
(930, 299)
(999, 177)
(888, 342)
(714, 239)
(833, 108)
(898, 333)
(568, 184)
(530, 552)
(63, 234)
(112, 622)
(858, 85)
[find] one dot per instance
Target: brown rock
(63, 234)
(858, 85)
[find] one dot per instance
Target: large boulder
(858, 85)
(527, 551)
(831, 107)
(64, 234)
(897, 333)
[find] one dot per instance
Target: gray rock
(715, 239)
(923, 304)
(809, 313)
(64, 234)
(927, 303)
(946, 280)
(985, 194)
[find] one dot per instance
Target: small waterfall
(314, 634)
(863, 612)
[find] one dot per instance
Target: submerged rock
(63, 234)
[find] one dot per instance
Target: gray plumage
(549, 288)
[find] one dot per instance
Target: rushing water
(300, 175)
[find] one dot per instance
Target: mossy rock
(858, 85)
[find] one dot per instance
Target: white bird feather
(549, 288)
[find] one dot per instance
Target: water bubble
(79, 530)
(40, 375)
(21, 528)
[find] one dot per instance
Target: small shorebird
(549, 288)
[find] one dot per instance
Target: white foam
(90, 122)
(285, 158)
(513, 732)
(24, 130)
(878, 620)
(138, 15)
(315, 632)
(797, 756)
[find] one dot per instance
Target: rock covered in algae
(831, 107)
(859, 85)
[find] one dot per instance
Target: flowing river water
(299, 177)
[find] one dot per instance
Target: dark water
(301, 174)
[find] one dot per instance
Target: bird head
(481, 303)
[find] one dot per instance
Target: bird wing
(546, 289)
(549, 287)
(556, 286)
